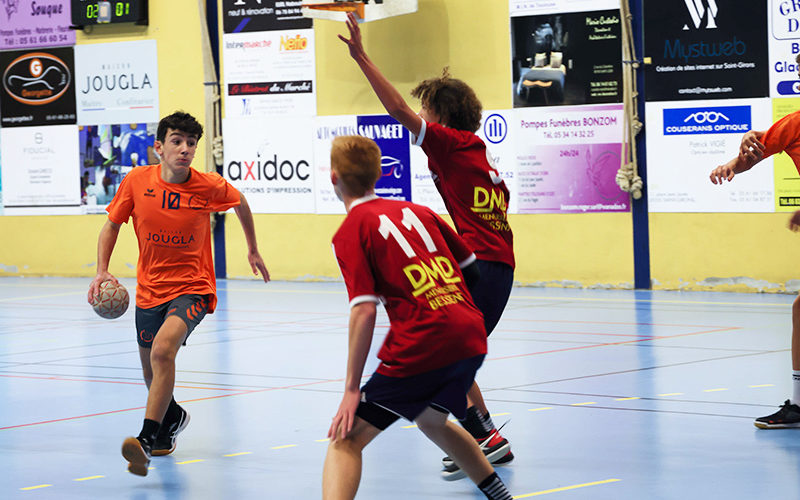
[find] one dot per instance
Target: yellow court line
(500, 414)
(653, 301)
(540, 409)
(237, 454)
(670, 394)
(283, 446)
(626, 399)
(412, 426)
(565, 488)
(715, 390)
(322, 440)
(584, 404)
(88, 478)
(190, 461)
(760, 385)
(36, 487)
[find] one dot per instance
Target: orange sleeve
(121, 206)
(783, 135)
(222, 194)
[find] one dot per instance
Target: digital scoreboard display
(86, 12)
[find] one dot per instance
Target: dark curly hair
(179, 121)
(453, 100)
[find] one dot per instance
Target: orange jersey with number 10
(172, 226)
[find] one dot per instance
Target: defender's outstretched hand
(354, 42)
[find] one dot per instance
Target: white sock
(796, 387)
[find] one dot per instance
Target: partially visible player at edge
(473, 192)
(783, 135)
(170, 205)
(407, 257)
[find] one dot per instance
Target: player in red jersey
(408, 258)
(170, 205)
(474, 194)
(784, 135)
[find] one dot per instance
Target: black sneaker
(137, 452)
(785, 418)
(495, 447)
(166, 440)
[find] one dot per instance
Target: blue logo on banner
(495, 128)
(791, 87)
(712, 120)
(393, 139)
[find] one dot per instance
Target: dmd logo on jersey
(495, 128)
(36, 78)
(717, 120)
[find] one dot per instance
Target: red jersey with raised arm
(471, 188)
(172, 226)
(407, 257)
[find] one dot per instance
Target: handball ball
(113, 300)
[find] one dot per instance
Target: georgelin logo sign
(36, 78)
(698, 11)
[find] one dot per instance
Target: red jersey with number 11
(407, 257)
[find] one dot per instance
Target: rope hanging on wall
(628, 175)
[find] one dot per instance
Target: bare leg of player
(162, 359)
(342, 472)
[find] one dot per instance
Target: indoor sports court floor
(607, 394)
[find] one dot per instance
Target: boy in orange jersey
(783, 135)
(386, 250)
(170, 205)
(462, 169)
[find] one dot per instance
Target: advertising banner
(391, 137)
(530, 7)
(106, 154)
(27, 24)
(239, 16)
(685, 141)
(704, 49)
(787, 180)
(38, 87)
(270, 162)
(567, 159)
(37, 178)
(496, 133)
(573, 58)
(784, 47)
(269, 73)
(117, 82)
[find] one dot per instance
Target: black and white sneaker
(166, 440)
(136, 451)
(786, 418)
(495, 447)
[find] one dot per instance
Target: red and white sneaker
(495, 447)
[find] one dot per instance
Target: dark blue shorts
(385, 399)
(191, 308)
(492, 290)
